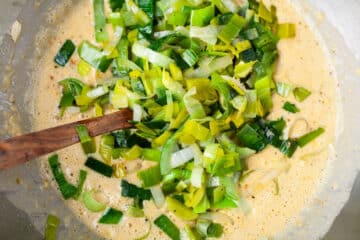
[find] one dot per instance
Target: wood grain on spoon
(21, 149)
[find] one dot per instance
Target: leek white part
(235, 84)
(72, 110)
(166, 6)
(217, 217)
(184, 235)
(158, 196)
(112, 45)
(140, 15)
(221, 63)
(197, 155)
(181, 157)
(251, 108)
(183, 30)
(128, 64)
(283, 89)
(98, 92)
(137, 115)
(211, 151)
(163, 33)
(118, 97)
(193, 106)
(152, 56)
(204, 71)
(174, 86)
(230, 5)
(196, 177)
(207, 34)
(169, 108)
(239, 103)
(213, 182)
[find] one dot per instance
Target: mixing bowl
(25, 201)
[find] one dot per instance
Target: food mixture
(234, 110)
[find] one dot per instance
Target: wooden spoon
(21, 149)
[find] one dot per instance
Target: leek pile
(198, 76)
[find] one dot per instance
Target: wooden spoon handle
(21, 149)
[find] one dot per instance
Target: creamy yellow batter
(302, 63)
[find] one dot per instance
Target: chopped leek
(91, 203)
(158, 196)
(87, 143)
(111, 216)
(177, 18)
(286, 30)
(133, 153)
(141, 17)
(232, 29)
(150, 177)
(283, 89)
(151, 154)
(193, 106)
(181, 211)
(133, 191)
(93, 56)
(81, 182)
(151, 55)
(201, 17)
(181, 157)
(190, 57)
(264, 13)
(290, 107)
(67, 190)
(250, 138)
(83, 68)
(207, 34)
(243, 69)
(65, 53)
(135, 212)
(99, 167)
(301, 94)
(116, 4)
(107, 143)
(101, 34)
(307, 138)
(71, 88)
(168, 227)
(52, 224)
(215, 230)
